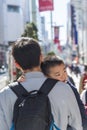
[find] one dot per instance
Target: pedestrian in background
(83, 80)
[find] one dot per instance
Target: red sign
(45, 5)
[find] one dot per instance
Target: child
(54, 67)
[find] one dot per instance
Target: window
(13, 8)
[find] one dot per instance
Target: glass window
(13, 8)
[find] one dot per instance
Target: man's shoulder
(59, 83)
(6, 90)
(62, 86)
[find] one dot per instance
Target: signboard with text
(45, 5)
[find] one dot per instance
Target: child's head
(54, 67)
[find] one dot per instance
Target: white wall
(11, 23)
(1, 22)
(14, 26)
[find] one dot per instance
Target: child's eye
(64, 70)
(57, 74)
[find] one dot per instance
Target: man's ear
(17, 65)
(41, 58)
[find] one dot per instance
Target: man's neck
(32, 70)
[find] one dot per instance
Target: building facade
(11, 25)
(13, 18)
(80, 20)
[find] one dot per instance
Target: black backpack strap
(18, 89)
(81, 106)
(47, 85)
(86, 97)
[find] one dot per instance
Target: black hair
(50, 61)
(26, 52)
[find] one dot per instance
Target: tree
(30, 31)
(51, 53)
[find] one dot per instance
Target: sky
(59, 17)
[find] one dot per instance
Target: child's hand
(21, 78)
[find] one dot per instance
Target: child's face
(58, 72)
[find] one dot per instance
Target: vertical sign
(56, 34)
(45, 5)
(56, 38)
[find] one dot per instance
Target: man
(28, 58)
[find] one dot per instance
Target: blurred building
(77, 12)
(11, 25)
(14, 14)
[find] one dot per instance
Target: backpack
(32, 110)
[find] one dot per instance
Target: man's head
(54, 67)
(26, 52)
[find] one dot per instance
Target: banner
(45, 5)
(56, 38)
(75, 35)
(56, 34)
(74, 32)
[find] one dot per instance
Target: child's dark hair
(50, 61)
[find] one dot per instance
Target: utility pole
(51, 24)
